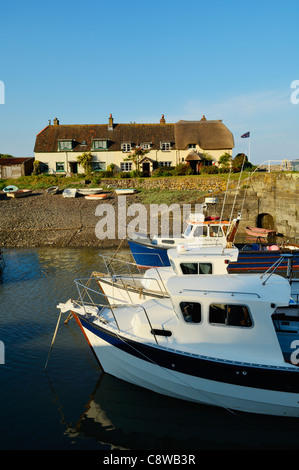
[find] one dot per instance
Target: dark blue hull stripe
(263, 377)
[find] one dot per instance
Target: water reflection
(124, 416)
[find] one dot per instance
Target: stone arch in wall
(265, 220)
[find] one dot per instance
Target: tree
(85, 161)
(225, 161)
(136, 156)
(5, 155)
(241, 160)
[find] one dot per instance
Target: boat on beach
(52, 190)
(125, 191)
(19, 193)
(69, 192)
(96, 197)
(89, 191)
(224, 340)
(11, 188)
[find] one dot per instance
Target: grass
(44, 181)
(156, 196)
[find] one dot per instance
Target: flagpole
(247, 136)
(249, 150)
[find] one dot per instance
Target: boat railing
(128, 270)
(271, 270)
(86, 300)
(228, 292)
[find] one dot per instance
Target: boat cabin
(199, 230)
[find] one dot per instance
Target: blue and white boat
(201, 231)
(215, 339)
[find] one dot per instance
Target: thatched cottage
(57, 146)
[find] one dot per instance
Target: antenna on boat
(238, 187)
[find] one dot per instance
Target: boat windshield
(201, 231)
(188, 230)
(216, 231)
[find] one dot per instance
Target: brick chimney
(110, 125)
(162, 120)
(55, 122)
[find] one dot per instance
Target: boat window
(191, 311)
(188, 230)
(196, 268)
(189, 268)
(201, 231)
(231, 315)
(216, 231)
(170, 242)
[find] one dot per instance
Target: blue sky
(80, 61)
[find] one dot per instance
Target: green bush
(210, 170)
(182, 169)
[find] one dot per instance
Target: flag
(245, 135)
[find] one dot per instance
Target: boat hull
(19, 193)
(237, 386)
(153, 255)
(125, 191)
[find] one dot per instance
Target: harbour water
(73, 404)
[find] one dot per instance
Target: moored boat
(213, 341)
(211, 231)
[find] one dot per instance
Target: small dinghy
(96, 197)
(52, 190)
(89, 191)
(123, 191)
(19, 193)
(9, 189)
(69, 192)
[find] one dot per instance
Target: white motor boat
(213, 339)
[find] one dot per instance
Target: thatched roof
(209, 135)
(193, 156)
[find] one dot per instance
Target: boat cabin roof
(236, 287)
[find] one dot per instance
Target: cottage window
(99, 144)
(126, 147)
(145, 145)
(230, 315)
(165, 146)
(191, 311)
(126, 166)
(65, 145)
(165, 163)
(60, 166)
(192, 146)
